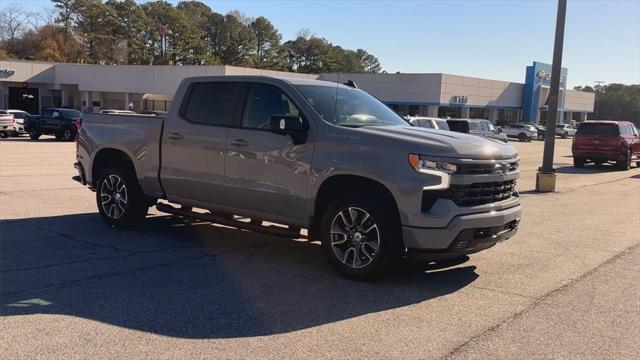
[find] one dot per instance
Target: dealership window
(414, 110)
(449, 112)
(509, 116)
(478, 113)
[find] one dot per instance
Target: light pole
(546, 176)
(597, 88)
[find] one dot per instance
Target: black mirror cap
(287, 124)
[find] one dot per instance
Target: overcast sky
(490, 39)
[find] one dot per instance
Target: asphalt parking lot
(566, 286)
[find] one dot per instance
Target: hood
(442, 143)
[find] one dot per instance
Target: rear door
(267, 173)
(193, 144)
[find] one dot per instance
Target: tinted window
(475, 126)
(263, 102)
(19, 115)
(211, 103)
(47, 113)
(634, 130)
(70, 113)
(598, 129)
(490, 127)
(458, 126)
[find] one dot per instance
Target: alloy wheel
(355, 237)
(113, 195)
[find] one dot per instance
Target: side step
(219, 219)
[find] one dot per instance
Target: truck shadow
(192, 280)
(587, 169)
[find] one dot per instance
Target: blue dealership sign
(538, 77)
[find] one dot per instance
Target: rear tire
(625, 164)
(578, 162)
(68, 135)
(361, 236)
(120, 199)
(565, 135)
(522, 137)
(4, 134)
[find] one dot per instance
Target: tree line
(615, 102)
(159, 33)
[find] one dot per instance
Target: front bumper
(465, 234)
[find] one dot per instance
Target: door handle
(239, 143)
(175, 136)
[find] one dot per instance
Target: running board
(219, 219)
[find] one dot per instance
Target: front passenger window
(263, 102)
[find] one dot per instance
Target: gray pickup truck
(304, 154)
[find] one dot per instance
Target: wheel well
(110, 157)
(339, 185)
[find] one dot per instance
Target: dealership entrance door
(23, 98)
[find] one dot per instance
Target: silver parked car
(429, 122)
(479, 127)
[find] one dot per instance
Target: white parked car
(523, 132)
(429, 122)
(17, 123)
(565, 130)
(118, 112)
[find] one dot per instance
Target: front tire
(361, 237)
(4, 134)
(34, 134)
(578, 162)
(120, 199)
(565, 135)
(522, 137)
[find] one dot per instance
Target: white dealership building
(31, 86)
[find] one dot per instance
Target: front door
(267, 173)
(193, 144)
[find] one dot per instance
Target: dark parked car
(479, 127)
(62, 123)
(541, 131)
(603, 141)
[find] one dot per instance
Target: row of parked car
(59, 122)
(485, 128)
(594, 142)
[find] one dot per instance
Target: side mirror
(287, 124)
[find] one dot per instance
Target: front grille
(471, 195)
(483, 169)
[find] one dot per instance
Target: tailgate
(597, 142)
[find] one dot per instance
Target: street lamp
(597, 87)
(546, 176)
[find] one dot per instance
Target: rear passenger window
(426, 124)
(211, 103)
(263, 102)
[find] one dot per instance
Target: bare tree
(305, 33)
(241, 17)
(14, 21)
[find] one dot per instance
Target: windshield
(349, 107)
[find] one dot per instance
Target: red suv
(602, 141)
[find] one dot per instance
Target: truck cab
(305, 154)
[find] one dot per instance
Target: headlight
(424, 165)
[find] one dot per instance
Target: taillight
(78, 122)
